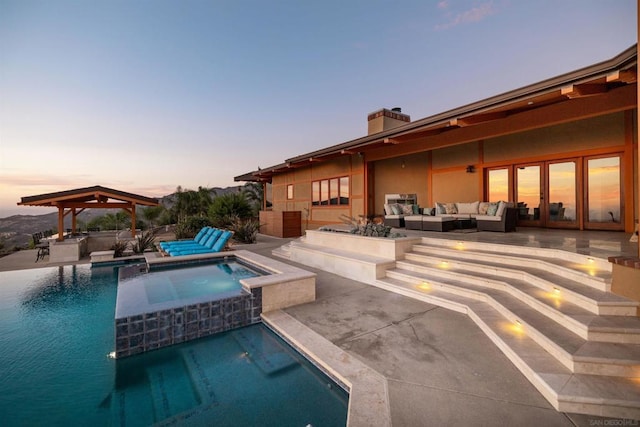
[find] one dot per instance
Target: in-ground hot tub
(167, 302)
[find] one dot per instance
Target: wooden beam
(480, 118)
(578, 91)
(624, 76)
(350, 152)
(94, 205)
(391, 141)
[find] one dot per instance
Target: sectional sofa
(486, 216)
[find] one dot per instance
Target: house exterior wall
(579, 136)
(391, 177)
(302, 178)
(435, 167)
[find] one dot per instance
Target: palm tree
(254, 192)
(152, 213)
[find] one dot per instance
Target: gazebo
(97, 197)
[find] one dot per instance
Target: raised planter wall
(382, 247)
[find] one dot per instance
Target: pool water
(222, 278)
(57, 328)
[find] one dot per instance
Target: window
(334, 191)
(290, 192)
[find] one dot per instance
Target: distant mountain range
(16, 230)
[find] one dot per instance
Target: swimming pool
(57, 328)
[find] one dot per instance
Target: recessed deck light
(424, 285)
(590, 260)
(556, 290)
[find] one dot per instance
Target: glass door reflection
(562, 198)
(529, 194)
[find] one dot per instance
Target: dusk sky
(143, 96)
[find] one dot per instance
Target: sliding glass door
(546, 193)
(603, 196)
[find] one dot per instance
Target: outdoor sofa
(486, 216)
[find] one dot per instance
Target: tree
(228, 206)
(254, 192)
(191, 203)
(152, 213)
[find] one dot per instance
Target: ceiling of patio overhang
(597, 80)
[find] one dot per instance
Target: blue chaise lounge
(215, 243)
(200, 238)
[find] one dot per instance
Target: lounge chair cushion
(468, 208)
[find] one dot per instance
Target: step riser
(517, 262)
(612, 337)
(597, 409)
(609, 370)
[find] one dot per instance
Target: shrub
(367, 227)
(144, 241)
(245, 230)
(190, 226)
(225, 208)
(119, 247)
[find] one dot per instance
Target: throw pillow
(387, 210)
(451, 208)
(416, 209)
(501, 207)
(440, 209)
(467, 208)
(482, 208)
(493, 208)
(407, 209)
(428, 211)
(395, 208)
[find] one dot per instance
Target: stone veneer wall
(150, 331)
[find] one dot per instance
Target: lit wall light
(471, 169)
(402, 165)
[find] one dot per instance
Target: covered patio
(97, 197)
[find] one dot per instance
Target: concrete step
(555, 256)
(574, 352)
(591, 271)
(567, 391)
(578, 304)
(578, 289)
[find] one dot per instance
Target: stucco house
(563, 150)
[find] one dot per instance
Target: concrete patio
(439, 366)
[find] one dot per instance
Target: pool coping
(368, 390)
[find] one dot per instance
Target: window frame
(327, 192)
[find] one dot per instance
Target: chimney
(385, 119)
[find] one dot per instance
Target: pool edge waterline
(368, 389)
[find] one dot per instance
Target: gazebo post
(73, 220)
(60, 223)
(133, 220)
